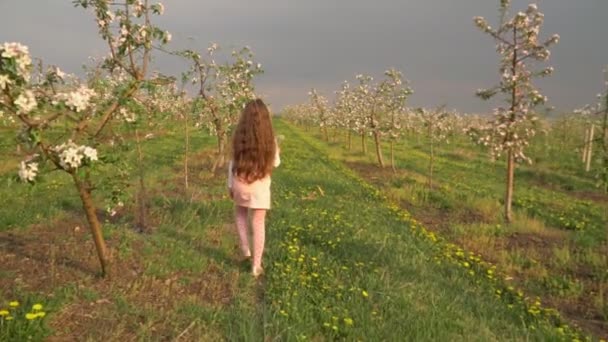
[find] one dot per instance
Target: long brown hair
(253, 143)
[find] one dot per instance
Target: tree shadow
(45, 252)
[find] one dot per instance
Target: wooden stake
(590, 148)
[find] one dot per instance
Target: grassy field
(556, 247)
(344, 260)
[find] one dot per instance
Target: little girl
(254, 154)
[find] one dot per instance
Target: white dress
(255, 195)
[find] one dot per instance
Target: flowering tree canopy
(518, 44)
(224, 88)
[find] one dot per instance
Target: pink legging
(259, 233)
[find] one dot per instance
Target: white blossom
(160, 8)
(26, 102)
(59, 72)
(212, 48)
(14, 50)
(111, 16)
(5, 81)
(21, 55)
(89, 152)
(28, 171)
(127, 116)
(72, 156)
(77, 100)
(138, 8)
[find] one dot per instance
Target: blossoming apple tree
(394, 95)
(223, 89)
(322, 108)
(369, 100)
(436, 127)
(519, 45)
(61, 117)
(345, 111)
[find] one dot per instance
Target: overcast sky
(320, 43)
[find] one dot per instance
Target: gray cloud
(320, 43)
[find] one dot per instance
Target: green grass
(342, 261)
(179, 280)
(465, 206)
(347, 266)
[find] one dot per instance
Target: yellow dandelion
(9, 318)
(30, 316)
(41, 314)
(13, 304)
(364, 293)
(348, 321)
(3, 313)
(37, 307)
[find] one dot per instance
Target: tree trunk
(363, 144)
(509, 193)
(431, 161)
(350, 140)
(563, 140)
(590, 148)
(221, 148)
(378, 149)
(510, 156)
(89, 208)
(585, 144)
(604, 142)
(141, 196)
(393, 156)
(186, 153)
